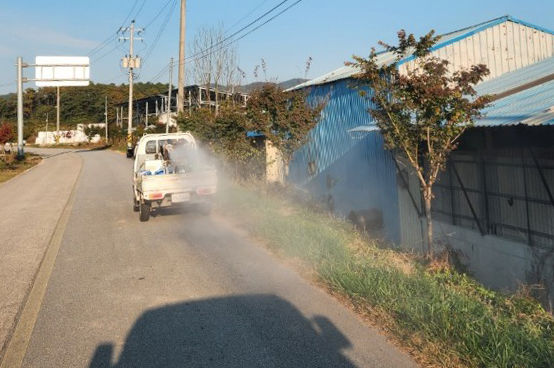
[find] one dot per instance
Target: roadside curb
(18, 341)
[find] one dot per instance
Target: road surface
(182, 290)
(31, 206)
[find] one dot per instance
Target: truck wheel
(144, 212)
(136, 206)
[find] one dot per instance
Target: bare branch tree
(217, 62)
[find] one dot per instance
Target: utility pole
(46, 128)
(106, 117)
(131, 62)
(181, 81)
(146, 114)
(169, 96)
(20, 152)
(57, 109)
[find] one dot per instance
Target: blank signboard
(61, 71)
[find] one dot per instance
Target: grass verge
(10, 167)
(444, 318)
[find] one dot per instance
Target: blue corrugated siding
(350, 174)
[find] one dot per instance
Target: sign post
(50, 71)
(20, 152)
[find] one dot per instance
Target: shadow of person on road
(237, 331)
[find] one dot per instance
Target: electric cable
(162, 28)
(204, 53)
(227, 38)
(111, 38)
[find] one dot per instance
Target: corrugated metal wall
(410, 209)
(506, 192)
(348, 172)
(503, 48)
(330, 139)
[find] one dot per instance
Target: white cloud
(45, 36)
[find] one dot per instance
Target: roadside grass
(10, 166)
(443, 317)
(119, 146)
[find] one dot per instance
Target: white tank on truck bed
(170, 170)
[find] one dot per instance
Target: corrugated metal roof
(445, 40)
(517, 78)
(533, 106)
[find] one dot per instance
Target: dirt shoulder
(11, 167)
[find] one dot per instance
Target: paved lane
(31, 206)
(182, 290)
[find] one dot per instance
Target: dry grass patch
(10, 166)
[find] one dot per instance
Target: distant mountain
(292, 82)
(285, 85)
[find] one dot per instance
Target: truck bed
(197, 184)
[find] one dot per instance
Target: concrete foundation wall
(499, 263)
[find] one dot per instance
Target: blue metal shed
(345, 164)
(351, 172)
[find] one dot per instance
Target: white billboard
(62, 71)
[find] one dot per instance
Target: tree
(6, 133)
(215, 62)
(225, 134)
(422, 111)
(283, 117)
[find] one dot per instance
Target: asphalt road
(31, 206)
(182, 290)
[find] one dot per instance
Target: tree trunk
(427, 196)
(216, 99)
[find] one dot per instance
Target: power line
(139, 10)
(149, 48)
(111, 38)
(158, 14)
(160, 73)
(106, 54)
(205, 52)
(160, 32)
(247, 15)
(130, 12)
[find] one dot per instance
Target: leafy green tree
(224, 134)
(92, 131)
(422, 112)
(283, 117)
(6, 133)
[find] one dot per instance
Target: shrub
(6, 133)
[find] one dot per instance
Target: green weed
(442, 314)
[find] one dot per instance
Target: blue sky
(329, 31)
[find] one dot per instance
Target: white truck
(169, 170)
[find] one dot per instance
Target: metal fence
(508, 193)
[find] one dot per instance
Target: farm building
(494, 202)
(153, 109)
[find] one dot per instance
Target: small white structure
(68, 136)
(172, 119)
(275, 166)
